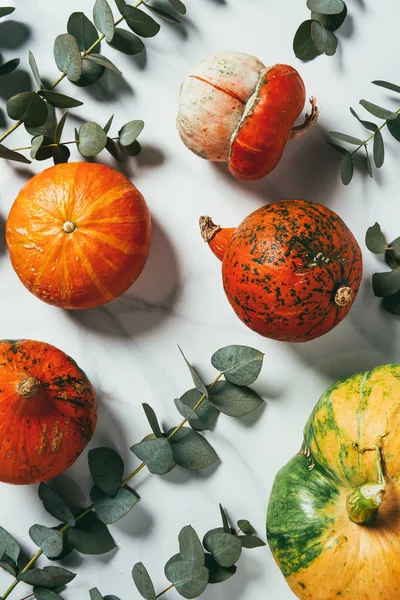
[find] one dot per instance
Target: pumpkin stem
(69, 227)
(28, 387)
(363, 504)
(343, 296)
(216, 237)
(309, 121)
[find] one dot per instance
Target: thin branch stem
(24, 570)
(170, 587)
(365, 142)
(52, 145)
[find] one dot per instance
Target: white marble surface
(128, 348)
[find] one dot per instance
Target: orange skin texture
(283, 265)
(260, 141)
(97, 261)
(43, 435)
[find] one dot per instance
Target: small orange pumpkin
(48, 411)
(78, 235)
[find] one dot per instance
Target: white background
(128, 349)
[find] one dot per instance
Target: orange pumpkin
(48, 411)
(78, 235)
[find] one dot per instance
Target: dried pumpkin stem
(208, 228)
(28, 387)
(343, 296)
(297, 132)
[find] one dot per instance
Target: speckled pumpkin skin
(43, 435)
(283, 266)
(321, 552)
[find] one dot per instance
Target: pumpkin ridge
(50, 251)
(124, 247)
(105, 200)
(226, 91)
(107, 295)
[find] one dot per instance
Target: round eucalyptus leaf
(91, 73)
(379, 149)
(392, 304)
(9, 545)
(68, 56)
(48, 126)
(103, 19)
(92, 138)
(132, 150)
(49, 540)
(45, 594)
(234, 400)
(205, 415)
(28, 107)
(48, 577)
(61, 154)
(143, 582)
(179, 6)
(347, 168)
(173, 559)
(166, 16)
(324, 40)
(157, 454)
(378, 111)
(386, 284)
(9, 66)
(101, 60)
(394, 128)
(331, 22)
(126, 42)
(59, 100)
(191, 450)
(83, 31)
(43, 153)
(139, 21)
(218, 574)
(240, 365)
(109, 510)
(106, 465)
(91, 536)
(246, 527)
(326, 7)
(375, 240)
(392, 256)
(303, 45)
(225, 548)
(35, 145)
(190, 547)
(190, 578)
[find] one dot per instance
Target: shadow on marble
(13, 34)
(15, 83)
(235, 587)
(147, 303)
(109, 430)
(141, 59)
(181, 30)
(137, 523)
(250, 420)
(3, 246)
(110, 87)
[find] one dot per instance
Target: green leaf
(35, 70)
(103, 19)
(95, 594)
(394, 128)
(108, 124)
(198, 382)
(45, 151)
(129, 132)
(246, 527)
(49, 540)
(126, 42)
(48, 577)
(250, 541)
(36, 143)
(190, 578)
(240, 365)
(111, 597)
(48, 126)
(389, 86)
(27, 107)
(152, 419)
(368, 161)
(114, 149)
(60, 128)
(9, 66)
(143, 582)
(218, 574)
(225, 548)
(67, 56)
(140, 22)
(234, 400)
(379, 149)
(225, 522)
(172, 560)
(346, 138)
(326, 7)
(303, 45)
(45, 594)
(392, 256)
(367, 124)
(163, 14)
(324, 40)
(392, 304)
(91, 536)
(191, 450)
(205, 415)
(120, 4)
(8, 154)
(107, 469)
(132, 150)
(110, 510)
(386, 284)
(8, 565)
(6, 10)
(9, 545)
(347, 168)
(67, 549)
(378, 111)
(91, 73)
(59, 100)
(104, 62)
(83, 30)
(339, 149)
(190, 547)
(157, 454)
(179, 6)
(93, 139)
(61, 154)
(331, 22)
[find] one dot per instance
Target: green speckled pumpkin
(333, 521)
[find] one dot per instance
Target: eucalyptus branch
(386, 285)
(160, 452)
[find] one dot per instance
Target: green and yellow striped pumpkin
(333, 521)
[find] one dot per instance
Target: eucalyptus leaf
(67, 56)
(331, 22)
(389, 86)
(303, 45)
(347, 168)
(83, 30)
(198, 382)
(186, 411)
(61, 154)
(109, 510)
(48, 126)
(163, 14)
(343, 137)
(104, 62)
(48, 577)
(140, 22)
(41, 593)
(367, 124)
(28, 107)
(8, 565)
(67, 548)
(234, 400)
(225, 522)
(205, 415)
(250, 541)
(126, 42)
(8, 154)
(92, 138)
(35, 70)
(111, 597)
(368, 162)
(324, 40)
(326, 7)
(394, 128)
(6, 10)
(35, 145)
(120, 4)
(108, 124)
(91, 536)
(179, 6)
(132, 150)
(378, 111)
(103, 19)
(246, 527)
(59, 100)
(9, 545)
(190, 547)
(106, 468)
(60, 128)
(114, 149)
(339, 149)
(173, 559)
(49, 540)
(9, 66)
(143, 582)
(392, 304)
(225, 548)
(92, 72)
(191, 450)
(379, 149)
(190, 578)
(152, 419)
(157, 454)
(95, 594)
(46, 149)
(240, 365)
(392, 255)
(218, 574)
(386, 284)
(129, 132)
